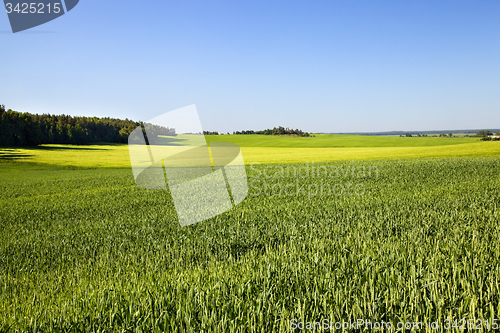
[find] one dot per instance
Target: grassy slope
(93, 156)
(267, 149)
(335, 141)
(87, 250)
(267, 155)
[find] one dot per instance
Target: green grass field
(412, 238)
(268, 150)
(336, 141)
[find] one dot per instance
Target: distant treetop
(277, 131)
(26, 129)
(483, 133)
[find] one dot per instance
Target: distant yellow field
(267, 155)
(116, 156)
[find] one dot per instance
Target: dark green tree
(483, 133)
(25, 129)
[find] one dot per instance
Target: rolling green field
(336, 141)
(269, 150)
(82, 248)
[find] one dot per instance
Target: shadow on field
(170, 141)
(12, 155)
(17, 153)
(53, 148)
(49, 148)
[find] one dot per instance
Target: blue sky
(321, 66)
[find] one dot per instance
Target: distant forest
(275, 131)
(26, 129)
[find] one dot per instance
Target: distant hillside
(456, 132)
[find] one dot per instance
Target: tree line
(26, 129)
(409, 135)
(486, 135)
(277, 131)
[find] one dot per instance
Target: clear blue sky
(321, 66)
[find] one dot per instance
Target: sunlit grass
(268, 155)
(87, 250)
(82, 248)
(117, 156)
(337, 141)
